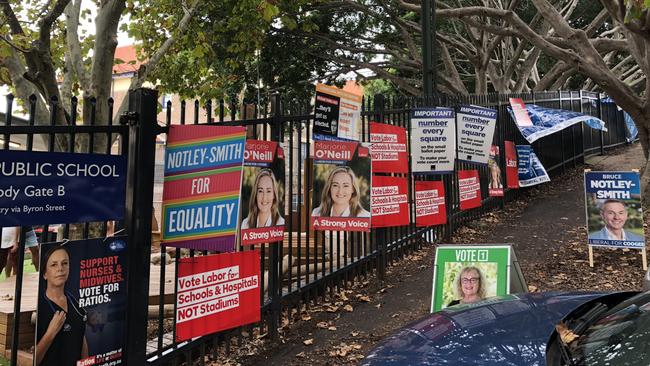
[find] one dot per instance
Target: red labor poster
(262, 193)
(512, 170)
(388, 148)
(217, 292)
(389, 201)
(430, 206)
(469, 187)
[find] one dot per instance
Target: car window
(620, 337)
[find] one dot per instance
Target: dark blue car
(612, 329)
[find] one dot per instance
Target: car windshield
(621, 336)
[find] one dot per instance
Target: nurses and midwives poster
(88, 277)
(495, 178)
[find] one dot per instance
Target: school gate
(306, 265)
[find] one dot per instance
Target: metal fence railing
(306, 265)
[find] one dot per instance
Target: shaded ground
(547, 228)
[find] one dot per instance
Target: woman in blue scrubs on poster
(61, 322)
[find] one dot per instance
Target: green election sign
(468, 273)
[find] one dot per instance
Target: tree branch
(14, 24)
(72, 13)
(452, 72)
(158, 55)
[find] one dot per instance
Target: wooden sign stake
(644, 257)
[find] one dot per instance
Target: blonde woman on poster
(263, 205)
(469, 285)
(495, 172)
(340, 197)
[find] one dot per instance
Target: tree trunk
(481, 81)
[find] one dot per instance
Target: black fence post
(18, 289)
(602, 133)
(380, 233)
(142, 115)
(274, 248)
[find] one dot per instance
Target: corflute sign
(433, 140)
(203, 169)
(37, 186)
(217, 292)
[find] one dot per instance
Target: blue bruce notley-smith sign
(54, 187)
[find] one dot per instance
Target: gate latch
(129, 118)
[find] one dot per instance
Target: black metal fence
(306, 266)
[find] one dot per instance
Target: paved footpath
(547, 228)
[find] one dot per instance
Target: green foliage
(636, 9)
(379, 86)
(215, 57)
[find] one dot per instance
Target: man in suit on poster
(614, 215)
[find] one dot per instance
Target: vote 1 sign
(485, 267)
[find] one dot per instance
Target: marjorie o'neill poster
(464, 274)
(614, 213)
(337, 114)
(88, 278)
(262, 193)
(341, 198)
(201, 194)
